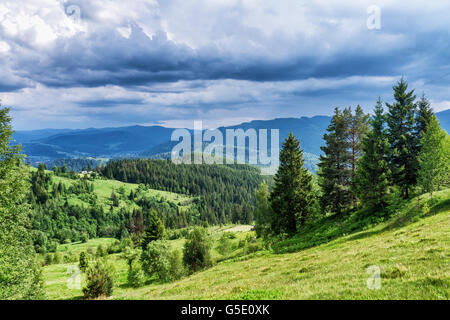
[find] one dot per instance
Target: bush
(52, 245)
(101, 251)
(136, 277)
(176, 265)
(83, 261)
(225, 245)
(48, 259)
(99, 280)
(70, 257)
(155, 260)
(84, 237)
(57, 258)
(196, 252)
(114, 247)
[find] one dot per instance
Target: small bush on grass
(196, 252)
(83, 261)
(177, 270)
(101, 251)
(155, 260)
(99, 280)
(225, 245)
(136, 277)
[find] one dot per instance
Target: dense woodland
(226, 191)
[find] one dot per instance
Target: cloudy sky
(84, 63)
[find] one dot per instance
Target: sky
(84, 63)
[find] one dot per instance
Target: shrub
(114, 247)
(70, 257)
(196, 252)
(126, 242)
(101, 251)
(225, 245)
(84, 237)
(176, 265)
(99, 279)
(48, 259)
(83, 261)
(155, 260)
(136, 276)
(52, 245)
(57, 258)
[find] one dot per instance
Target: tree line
(367, 161)
(226, 192)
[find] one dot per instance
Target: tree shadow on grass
(415, 213)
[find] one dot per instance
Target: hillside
(411, 248)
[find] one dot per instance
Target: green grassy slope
(103, 189)
(412, 250)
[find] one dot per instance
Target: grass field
(412, 251)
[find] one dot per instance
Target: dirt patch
(242, 228)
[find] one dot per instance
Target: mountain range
(47, 145)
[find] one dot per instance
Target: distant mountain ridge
(47, 145)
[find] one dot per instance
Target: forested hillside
(226, 191)
(71, 207)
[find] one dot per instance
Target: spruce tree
(403, 141)
(434, 159)
(292, 197)
(154, 230)
(373, 167)
(334, 169)
(357, 129)
(423, 118)
(20, 274)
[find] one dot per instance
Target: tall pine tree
(357, 129)
(292, 197)
(373, 167)
(403, 141)
(334, 169)
(424, 116)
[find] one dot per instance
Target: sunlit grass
(412, 250)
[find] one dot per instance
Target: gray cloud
(174, 60)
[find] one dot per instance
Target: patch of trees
(367, 161)
(74, 165)
(226, 192)
(56, 220)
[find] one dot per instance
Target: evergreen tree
(373, 167)
(403, 141)
(83, 261)
(434, 159)
(263, 211)
(334, 170)
(424, 116)
(20, 274)
(357, 129)
(154, 231)
(292, 197)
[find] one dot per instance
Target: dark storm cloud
(176, 60)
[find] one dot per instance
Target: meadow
(411, 248)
